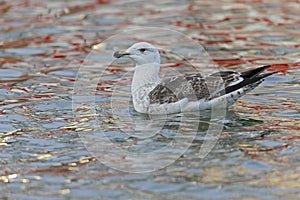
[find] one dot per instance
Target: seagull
(154, 95)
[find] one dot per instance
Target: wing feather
(196, 87)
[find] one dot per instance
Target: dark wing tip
(251, 77)
(254, 72)
(266, 74)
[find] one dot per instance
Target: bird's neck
(145, 75)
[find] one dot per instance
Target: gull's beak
(119, 54)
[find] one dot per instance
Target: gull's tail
(251, 78)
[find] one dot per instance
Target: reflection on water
(43, 155)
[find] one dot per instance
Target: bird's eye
(142, 50)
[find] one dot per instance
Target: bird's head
(141, 53)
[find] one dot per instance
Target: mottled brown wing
(173, 89)
(196, 87)
(193, 87)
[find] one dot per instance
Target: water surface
(44, 44)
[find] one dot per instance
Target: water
(43, 154)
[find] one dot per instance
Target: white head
(141, 53)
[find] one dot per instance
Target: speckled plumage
(193, 87)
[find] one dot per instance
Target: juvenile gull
(154, 95)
